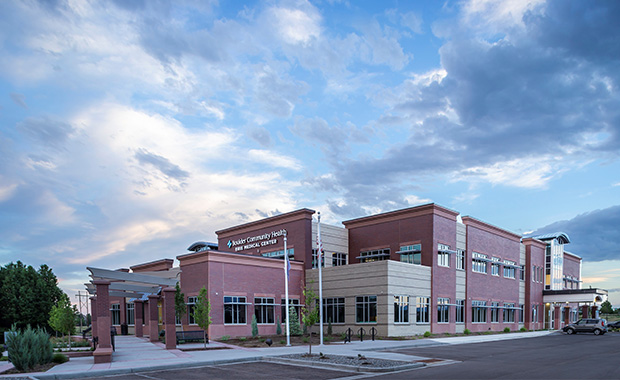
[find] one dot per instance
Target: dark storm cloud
(46, 131)
(594, 235)
(162, 164)
(541, 90)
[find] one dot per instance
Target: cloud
(593, 235)
(261, 135)
(19, 99)
(162, 164)
(46, 131)
(412, 21)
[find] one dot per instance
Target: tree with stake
(202, 312)
(62, 317)
(180, 308)
(309, 314)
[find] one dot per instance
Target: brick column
(556, 317)
(93, 315)
(594, 309)
(169, 313)
(153, 318)
(139, 317)
(566, 315)
(584, 311)
(103, 353)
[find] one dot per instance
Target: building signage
(257, 241)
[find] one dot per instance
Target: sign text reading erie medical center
(257, 241)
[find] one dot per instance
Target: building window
(443, 310)
(315, 261)
(130, 314)
(191, 307)
(460, 311)
(509, 312)
(534, 273)
(291, 303)
(366, 309)
(522, 273)
(116, 314)
(422, 309)
(339, 259)
(443, 255)
(460, 259)
(264, 309)
(509, 269)
(401, 309)
(478, 311)
(495, 267)
(333, 310)
(479, 262)
(411, 254)
(521, 313)
(494, 312)
(280, 253)
(534, 313)
(234, 310)
(374, 255)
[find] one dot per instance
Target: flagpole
(320, 260)
(286, 264)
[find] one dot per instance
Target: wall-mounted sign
(257, 241)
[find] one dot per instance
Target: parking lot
(556, 356)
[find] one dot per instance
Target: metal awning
(133, 285)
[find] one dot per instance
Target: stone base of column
(103, 355)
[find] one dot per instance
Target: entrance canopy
(133, 285)
(587, 296)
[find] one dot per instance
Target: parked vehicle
(596, 326)
(614, 325)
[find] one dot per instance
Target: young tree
(310, 314)
(62, 317)
(606, 308)
(202, 312)
(254, 326)
(294, 326)
(180, 308)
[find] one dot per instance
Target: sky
(131, 129)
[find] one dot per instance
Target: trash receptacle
(124, 329)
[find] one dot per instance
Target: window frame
(478, 311)
(335, 309)
(443, 310)
(460, 311)
(115, 310)
(264, 310)
(423, 310)
(401, 309)
(237, 307)
(367, 305)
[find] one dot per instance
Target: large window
(339, 259)
(460, 259)
(365, 309)
(521, 313)
(333, 310)
(479, 262)
(130, 314)
(478, 311)
(234, 310)
(422, 310)
(291, 303)
(374, 255)
(264, 309)
(509, 269)
(315, 260)
(494, 312)
(401, 309)
(460, 311)
(116, 314)
(411, 254)
(191, 307)
(522, 273)
(443, 255)
(509, 312)
(443, 310)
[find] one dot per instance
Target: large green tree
(180, 308)
(27, 295)
(606, 308)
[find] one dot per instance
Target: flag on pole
(319, 243)
(287, 265)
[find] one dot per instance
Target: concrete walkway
(139, 355)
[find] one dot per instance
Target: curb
(341, 367)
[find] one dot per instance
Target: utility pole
(80, 304)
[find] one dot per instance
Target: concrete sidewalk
(139, 355)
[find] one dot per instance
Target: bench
(189, 336)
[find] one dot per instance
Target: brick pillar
(93, 315)
(556, 317)
(566, 315)
(103, 353)
(169, 313)
(153, 318)
(139, 317)
(584, 311)
(594, 310)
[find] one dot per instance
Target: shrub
(427, 334)
(60, 358)
(278, 327)
(305, 339)
(28, 348)
(282, 341)
(466, 332)
(295, 327)
(242, 339)
(254, 326)
(523, 329)
(329, 327)
(506, 329)
(224, 338)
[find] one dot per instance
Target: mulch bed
(38, 368)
